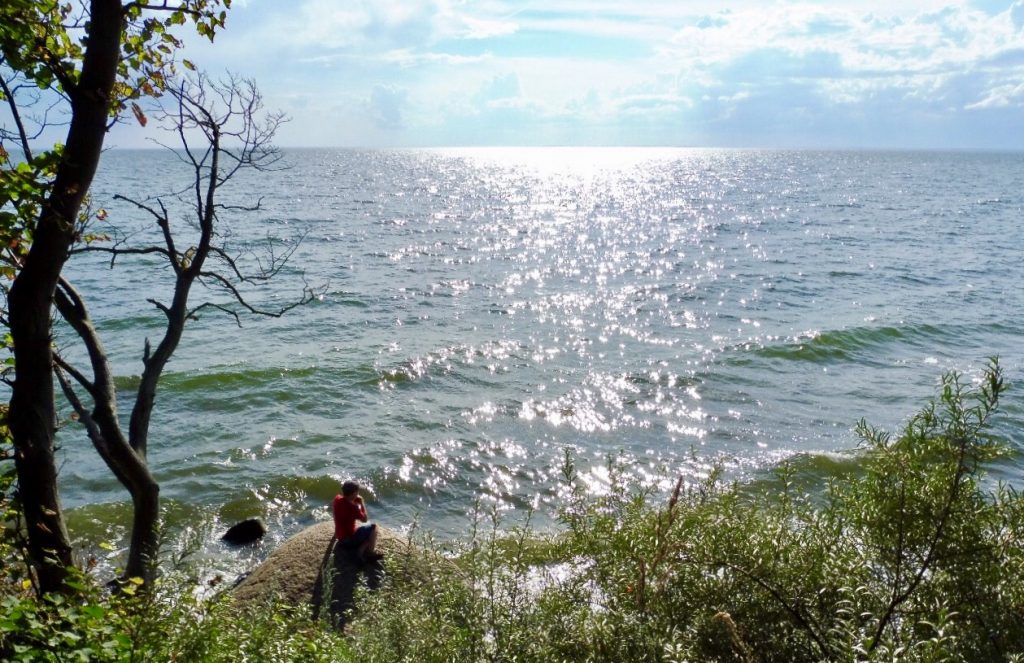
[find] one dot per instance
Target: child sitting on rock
(348, 508)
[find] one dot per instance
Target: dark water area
(484, 310)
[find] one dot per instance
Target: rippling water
(486, 309)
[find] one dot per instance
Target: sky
(893, 74)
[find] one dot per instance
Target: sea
(478, 316)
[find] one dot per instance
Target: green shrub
(168, 623)
(911, 559)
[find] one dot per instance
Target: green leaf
(94, 611)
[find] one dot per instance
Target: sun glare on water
(583, 162)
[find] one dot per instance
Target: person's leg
(371, 544)
(353, 545)
(367, 551)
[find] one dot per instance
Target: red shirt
(345, 516)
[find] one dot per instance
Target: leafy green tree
(82, 66)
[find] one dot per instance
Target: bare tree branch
(76, 374)
(192, 314)
(308, 295)
(162, 307)
(159, 216)
(114, 251)
(12, 102)
(165, 228)
(241, 208)
(265, 270)
(92, 429)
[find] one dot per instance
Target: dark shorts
(361, 535)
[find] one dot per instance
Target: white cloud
(477, 28)
(1001, 96)
(1017, 15)
(502, 86)
(385, 106)
(596, 26)
(382, 24)
(920, 56)
(328, 24)
(400, 57)
(701, 71)
(652, 104)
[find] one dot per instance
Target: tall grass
(912, 559)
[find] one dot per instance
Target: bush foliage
(912, 559)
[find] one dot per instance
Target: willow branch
(933, 545)
(795, 613)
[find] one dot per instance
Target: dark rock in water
(247, 531)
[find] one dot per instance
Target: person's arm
(362, 510)
(334, 512)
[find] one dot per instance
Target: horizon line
(780, 148)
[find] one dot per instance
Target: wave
(812, 471)
(132, 322)
(289, 489)
(347, 299)
(224, 379)
(846, 344)
(245, 378)
(240, 386)
(465, 364)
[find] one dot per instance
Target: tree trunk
(33, 411)
(48, 543)
(145, 522)
(127, 463)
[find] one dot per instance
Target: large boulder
(304, 569)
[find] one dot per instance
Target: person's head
(349, 489)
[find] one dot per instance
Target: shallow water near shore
(483, 310)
